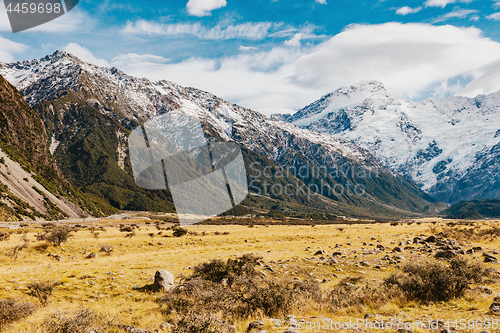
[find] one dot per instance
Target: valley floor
(108, 284)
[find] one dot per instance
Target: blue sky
(278, 56)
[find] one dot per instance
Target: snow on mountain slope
(131, 101)
(438, 144)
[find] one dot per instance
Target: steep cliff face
(32, 184)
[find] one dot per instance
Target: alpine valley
(69, 132)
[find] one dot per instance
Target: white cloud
(125, 59)
(247, 48)
(457, 13)
(8, 47)
(323, 2)
(84, 54)
(409, 59)
(487, 81)
(204, 7)
(443, 3)
(251, 31)
(408, 10)
(496, 4)
(295, 41)
(494, 16)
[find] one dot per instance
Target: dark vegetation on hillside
(475, 209)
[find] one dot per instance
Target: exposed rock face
(27, 168)
(88, 112)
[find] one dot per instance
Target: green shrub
(435, 281)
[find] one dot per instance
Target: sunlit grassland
(105, 284)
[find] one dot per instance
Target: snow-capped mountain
(83, 105)
(450, 148)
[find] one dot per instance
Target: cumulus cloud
(412, 60)
(251, 31)
(204, 7)
(443, 3)
(8, 47)
(84, 54)
(408, 10)
(323, 2)
(407, 58)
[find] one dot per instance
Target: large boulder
(164, 280)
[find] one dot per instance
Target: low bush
(83, 321)
(55, 235)
(200, 323)
(16, 250)
(219, 271)
(348, 295)
(11, 311)
(236, 289)
(42, 290)
(435, 281)
(179, 232)
(4, 236)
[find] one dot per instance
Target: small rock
(91, 256)
(166, 326)
(497, 298)
(164, 280)
(276, 322)
(484, 290)
(495, 307)
(258, 324)
(269, 268)
(431, 239)
(448, 254)
(319, 252)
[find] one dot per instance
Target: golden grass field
(105, 284)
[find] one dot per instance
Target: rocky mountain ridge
(89, 111)
(450, 148)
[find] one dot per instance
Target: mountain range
(86, 113)
(449, 148)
